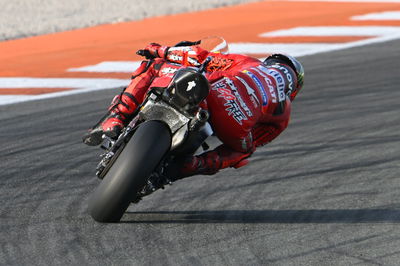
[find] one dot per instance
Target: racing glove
(153, 50)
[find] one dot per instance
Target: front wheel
(129, 173)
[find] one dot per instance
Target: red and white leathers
(247, 102)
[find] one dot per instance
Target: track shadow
(267, 216)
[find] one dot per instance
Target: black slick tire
(129, 173)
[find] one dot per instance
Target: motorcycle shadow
(265, 216)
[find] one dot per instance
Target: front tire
(129, 173)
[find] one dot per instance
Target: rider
(249, 101)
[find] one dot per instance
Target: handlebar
(204, 65)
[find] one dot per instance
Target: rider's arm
(185, 55)
(141, 80)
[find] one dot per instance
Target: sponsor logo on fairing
(178, 58)
(178, 54)
(169, 70)
(193, 61)
(233, 108)
(175, 58)
(191, 85)
(259, 86)
(180, 49)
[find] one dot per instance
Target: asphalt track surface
(326, 192)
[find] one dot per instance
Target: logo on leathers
(271, 87)
(250, 92)
(232, 107)
(259, 85)
(279, 80)
(238, 97)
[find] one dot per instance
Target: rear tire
(129, 173)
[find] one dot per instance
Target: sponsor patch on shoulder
(279, 81)
(250, 91)
(259, 85)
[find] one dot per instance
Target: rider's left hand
(153, 50)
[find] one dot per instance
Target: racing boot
(208, 163)
(112, 123)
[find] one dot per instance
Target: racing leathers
(248, 103)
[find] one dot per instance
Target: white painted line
(389, 15)
(109, 67)
(78, 85)
(294, 49)
(9, 99)
(335, 31)
(301, 49)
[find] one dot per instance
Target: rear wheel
(129, 173)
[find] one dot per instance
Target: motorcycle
(167, 125)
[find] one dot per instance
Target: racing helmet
(295, 65)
